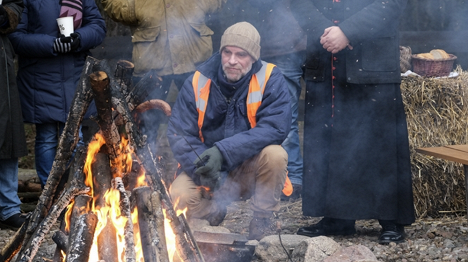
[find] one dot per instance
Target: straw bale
(437, 114)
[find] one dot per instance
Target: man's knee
(275, 156)
(183, 191)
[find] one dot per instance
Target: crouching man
(226, 130)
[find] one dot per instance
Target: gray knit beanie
(243, 35)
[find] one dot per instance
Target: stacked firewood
(118, 103)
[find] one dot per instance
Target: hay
(437, 114)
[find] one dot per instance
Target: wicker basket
(432, 68)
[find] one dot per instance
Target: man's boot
(259, 227)
(218, 216)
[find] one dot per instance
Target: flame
(110, 211)
(169, 234)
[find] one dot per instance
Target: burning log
(9, 251)
(80, 207)
(125, 209)
(81, 238)
(151, 224)
(102, 178)
(61, 239)
(66, 146)
(107, 243)
(50, 219)
(102, 97)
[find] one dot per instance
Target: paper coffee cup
(65, 25)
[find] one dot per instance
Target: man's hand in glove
(209, 165)
(65, 44)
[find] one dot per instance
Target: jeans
(9, 200)
(47, 138)
(291, 66)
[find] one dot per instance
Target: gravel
(428, 239)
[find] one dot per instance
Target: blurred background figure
(12, 137)
(50, 66)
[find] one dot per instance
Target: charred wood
(10, 250)
(125, 210)
(102, 178)
(81, 206)
(151, 224)
(102, 97)
(81, 238)
(44, 227)
(141, 90)
(61, 239)
(123, 74)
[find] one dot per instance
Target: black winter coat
(356, 151)
(12, 138)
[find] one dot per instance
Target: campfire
(115, 201)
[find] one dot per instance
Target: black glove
(75, 41)
(209, 165)
(3, 15)
(65, 44)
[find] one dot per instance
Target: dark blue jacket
(226, 124)
(47, 80)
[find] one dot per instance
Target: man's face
(236, 62)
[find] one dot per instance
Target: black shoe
(259, 228)
(14, 222)
(296, 194)
(329, 227)
(392, 233)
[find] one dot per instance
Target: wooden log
(151, 224)
(81, 206)
(10, 250)
(102, 178)
(44, 227)
(102, 97)
(81, 238)
(67, 143)
(123, 74)
(61, 239)
(107, 243)
(125, 211)
(143, 88)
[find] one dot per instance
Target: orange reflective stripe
(201, 89)
(288, 188)
(256, 90)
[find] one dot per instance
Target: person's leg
(291, 66)
(9, 201)
(261, 177)
(45, 148)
